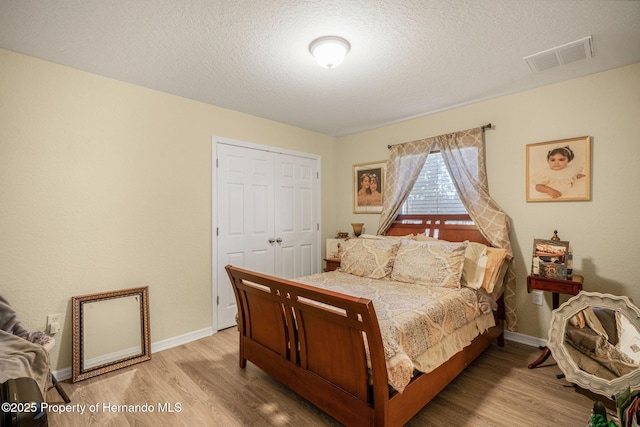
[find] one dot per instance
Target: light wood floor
(202, 383)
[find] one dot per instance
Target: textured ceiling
(408, 58)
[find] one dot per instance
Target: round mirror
(595, 339)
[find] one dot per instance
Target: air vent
(560, 55)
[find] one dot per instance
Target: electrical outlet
(53, 323)
(537, 297)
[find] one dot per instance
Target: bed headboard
(453, 228)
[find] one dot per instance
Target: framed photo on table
(550, 258)
(334, 247)
(368, 187)
(559, 171)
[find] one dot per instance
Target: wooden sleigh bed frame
(316, 341)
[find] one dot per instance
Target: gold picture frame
(559, 171)
(368, 187)
(117, 347)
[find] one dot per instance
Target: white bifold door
(267, 217)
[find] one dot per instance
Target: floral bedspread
(421, 326)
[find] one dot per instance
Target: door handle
(279, 240)
(272, 241)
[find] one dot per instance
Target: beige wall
(106, 185)
(604, 232)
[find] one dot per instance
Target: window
(434, 192)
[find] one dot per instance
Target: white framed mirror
(110, 331)
(604, 357)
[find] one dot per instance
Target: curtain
(463, 155)
(403, 167)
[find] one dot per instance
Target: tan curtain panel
(463, 154)
(403, 167)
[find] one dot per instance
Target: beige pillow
(423, 238)
(475, 264)
(371, 258)
(495, 259)
(429, 263)
(379, 237)
(498, 284)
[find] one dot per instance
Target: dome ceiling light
(329, 51)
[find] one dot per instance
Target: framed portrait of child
(368, 187)
(559, 171)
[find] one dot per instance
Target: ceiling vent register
(560, 55)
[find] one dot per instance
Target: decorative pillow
(423, 238)
(371, 258)
(430, 263)
(475, 264)
(495, 260)
(382, 237)
(498, 284)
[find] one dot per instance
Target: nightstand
(556, 286)
(332, 264)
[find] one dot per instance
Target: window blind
(433, 192)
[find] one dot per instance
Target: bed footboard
(314, 341)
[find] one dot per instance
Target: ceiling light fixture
(329, 51)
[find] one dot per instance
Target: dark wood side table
(332, 263)
(556, 287)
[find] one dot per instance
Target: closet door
(245, 207)
(296, 220)
(267, 218)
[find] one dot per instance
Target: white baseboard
(65, 373)
(524, 339)
(181, 339)
(62, 374)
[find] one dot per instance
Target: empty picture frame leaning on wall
(559, 171)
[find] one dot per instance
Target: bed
(333, 347)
